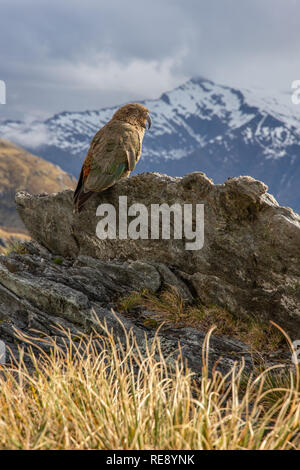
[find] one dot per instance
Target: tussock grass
(15, 246)
(169, 307)
(97, 394)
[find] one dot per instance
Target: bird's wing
(113, 151)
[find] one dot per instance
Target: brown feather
(80, 197)
(113, 153)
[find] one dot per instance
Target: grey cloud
(52, 51)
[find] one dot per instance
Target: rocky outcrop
(249, 263)
(40, 292)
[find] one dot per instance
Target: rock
(38, 294)
(249, 263)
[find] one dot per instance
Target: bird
(113, 153)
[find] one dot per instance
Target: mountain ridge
(200, 125)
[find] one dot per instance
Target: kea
(113, 153)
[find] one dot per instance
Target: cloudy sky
(72, 55)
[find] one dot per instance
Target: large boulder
(250, 259)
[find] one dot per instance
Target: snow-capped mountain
(198, 126)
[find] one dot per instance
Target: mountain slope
(198, 126)
(21, 170)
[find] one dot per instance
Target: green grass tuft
(16, 247)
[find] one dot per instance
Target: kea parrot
(113, 153)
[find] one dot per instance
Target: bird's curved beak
(149, 121)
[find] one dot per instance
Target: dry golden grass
(15, 246)
(127, 398)
(12, 240)
(169, 307)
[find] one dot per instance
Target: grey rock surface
(249, 264)
(36, 294)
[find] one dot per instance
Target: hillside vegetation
(20, 170)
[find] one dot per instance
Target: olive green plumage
(113, 153)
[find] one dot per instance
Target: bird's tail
(80, 197)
